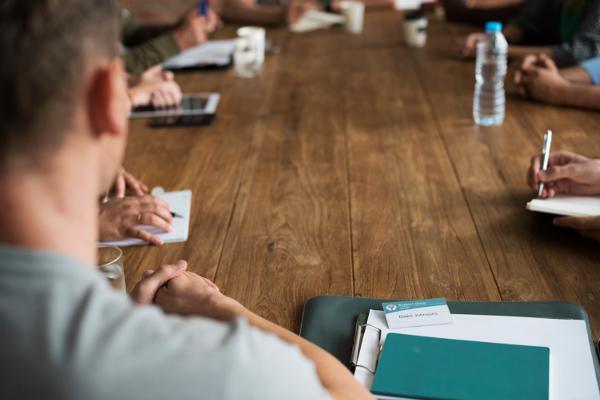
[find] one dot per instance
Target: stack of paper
(211, 53)
(313, 20)
(572, 373)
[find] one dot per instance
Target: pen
(202, 7)
(175, 215)
(546, 153)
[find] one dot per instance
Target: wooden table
(352, 166)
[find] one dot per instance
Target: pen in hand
(175, 215)
(202, 7)
(546, 154)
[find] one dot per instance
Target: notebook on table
(418, 367)
(213, 54)
(567, 205)
(181, 203)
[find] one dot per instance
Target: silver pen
(546, 154)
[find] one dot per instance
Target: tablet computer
(195, 109)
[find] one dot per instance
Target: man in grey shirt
(64, 333)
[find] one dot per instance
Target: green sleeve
(147, 45)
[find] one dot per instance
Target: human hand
(192, 31)
(126, 180)
(214, 21)
(191, 294)
(588, 227)
(540, 79)
(145, 290)
(567, 173)
(155, 87)
(119, 218)
(296, 9)
(466, 47)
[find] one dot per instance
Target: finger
(590, 234)
(528, 61)
(211, 284)
(150, 219)
(168, 75)
(557, 172)
(147, 274)
(534, 169)
(579, 223)
(120, 186)
(152, 71)
(149, 199)
(145, 291)
(517, 78)
(135, 232)
(134, 184)
(158, 209)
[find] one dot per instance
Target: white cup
(257, 35)
(415, 29)
(354, 12)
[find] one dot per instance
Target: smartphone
(195, 109)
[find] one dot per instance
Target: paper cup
(354, 12)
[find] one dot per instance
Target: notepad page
(213, 52)
(572, 373)
(562, 204)
(181, 203)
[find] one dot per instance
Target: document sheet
(213, 52)
(572, 374)
(562, 204)
(181, 203)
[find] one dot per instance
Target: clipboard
(334, 323)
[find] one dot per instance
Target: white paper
(410, 4)
(181, 203)
(572, 374)
(562, 204)
(213, 52)
(313, 20)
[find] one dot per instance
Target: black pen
(175, 215)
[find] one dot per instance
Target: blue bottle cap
(493, 26)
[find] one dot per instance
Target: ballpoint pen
(546, 154)
(202, 7)
(175, 215)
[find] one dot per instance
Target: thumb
(145, 291)
(155, 70)
(548, 63)
(557, 172)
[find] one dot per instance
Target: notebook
(572, 372)
(214, 53)
(181, 203)
(313, 20)
(572, 206)
(417, 367)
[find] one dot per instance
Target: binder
(335, 323)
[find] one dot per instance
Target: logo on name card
(405, 314)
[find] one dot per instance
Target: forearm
(336, 378)
(522, 51)
(576, 74)
(236, 10)
(581, 95)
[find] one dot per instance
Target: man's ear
(108, 100)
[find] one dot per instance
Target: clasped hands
(568, 173)
(181, 292)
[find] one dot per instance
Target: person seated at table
(568, 173)
(149, 45)
(266, 12)
(539, 78)
(64, 332)
(568, 31)
(481, 11)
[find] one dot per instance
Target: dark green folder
(417, 367)
(330, 321)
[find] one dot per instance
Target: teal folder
(417, 367)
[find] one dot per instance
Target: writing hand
(567, 173)
(192, 31)
(119, 218)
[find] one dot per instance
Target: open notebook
(214, 53)
(181, 203)
(572, 206)
(313, 20)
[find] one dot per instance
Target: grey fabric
(540, 20)
(66, 334)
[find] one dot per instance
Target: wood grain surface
(352, 166)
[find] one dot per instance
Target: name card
(404, 314)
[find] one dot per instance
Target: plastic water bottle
(490, 70)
